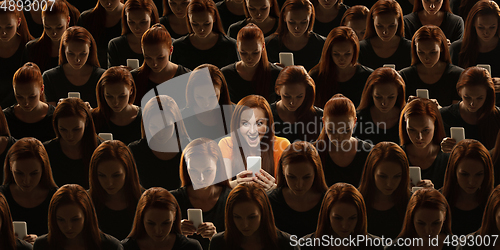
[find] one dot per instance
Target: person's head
(72, 215)
(115, 91)
(78, 48)
(251, 46)
(341, 50)
(259, 10)
(175, 7)
(429, 46)
(342, 213)
(157, 47)
(296, 18)
(7, 236)
(158, 214)
(428, 213)
(491, 219)
(384, 89)
(385, 20)
(73, 123)
(109, 5)
(55, 19)
(138, 16)
(4, 126)
(355, 18)
(202, 164)
(200, 93)
(203, 18)
(431, 7)
(330, 4)
(12, 23)
(477, 90)
(28, 86)
(27, 165)
(339, 118)
(421, 124)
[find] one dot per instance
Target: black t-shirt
(119, 51)
(197, 129)
(226, 16)
(166, 23)
(29, 56)
(452, 25)
(406, 6)
(57, 85)
(367, 3)
(117, 223)
(108, 242)
(466, 222)
(237, 26)
(41, 130)
(324, 29)
(444, 90)
(23, 245)
(219, 243)
(36, 30)
(436, 171)
(154, 172)
(214, 215)
(181, 243)
(401, 58)
(9, 67)
(289, 220)
(368, 131)
(223, 53)
(386, 223)
(299, 131)
(10, 142)
(308, 56)
(239, 88)
(36, 217)
(127, 134)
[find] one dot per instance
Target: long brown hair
(356, 12)
(489, 225)
(385, 7)
(22, 29)
(79, 34)
(417, 6)
(29, 73)
(145, 5)
(218, 80)
(433, 33)
(4, 126)
(7, 234)
(282, 30)
(197, 6)
(383, 75)
(418, 107)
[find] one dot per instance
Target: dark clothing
(367, 3)
(115, 223)
(223, 53)
(302, 223)
(36, 30)
(444, 90)
(368, 131)
(401, 58)
(466, 222)
(119, 51)
(219, 243)
(324, 29)
(9, 67)
(36, 217)
(386, 223)
(44, 63)
(436, 171)
(10, 142)
(164, 21)
(57, 85)
(308, 56)
(406, 6)
(197, 129)
(181, 243)
(23, 245)
(301, 130)
(41, 130)
(226, 16)
(108, 242)
(452, 26)
(154, 172)
(127, 134)
(237, 26)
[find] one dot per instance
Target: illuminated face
(109, 5)
(77, 53)
(160, 131)
(259, 9)
(342, 54)
(111, 175)
(253, 126)
(201, 23)
(117, 96)
(299, 176)
(420, 129)
(27, 173)
(297, 22)
(428, 51)
(207, 96)
(158, 223)
(138, 22)
(27, 96)
(339, 128)
(202, 170)
(54, 26)
(179, 7)
(470, 175)
(156, 56)
(385, 96)
(247, 216)
(70, 220)
(250, 52)
(8, 26)
(473, 97)
(293, 95)
(388, 175)
(327, 4)
(343, 218)
(359, 26)
(486, 27)
(432, 7)
(428, 222)
(71, 129)
(386, 26)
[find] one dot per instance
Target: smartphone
(486, 66)
(423, 93)
(195, 215)
(74, 94)
(392, 66)
(457, 133)
(414, 189)
(415, 175)
(254, 164)
(21, 229)
(133, 63)
(106, 136)
(286, 58)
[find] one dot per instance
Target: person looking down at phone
(263, 13)
(8, 239)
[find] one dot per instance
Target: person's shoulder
(407, 71)
(118, 40)
(4, 188)
(273, 194)
(281, 141)
(137, 144)
(50, 143)
(238, 25)
(319, 111)
(23, 245)
(454, 69)
(181, 70)
(129, 244)
(455, 19)
(110, 242)
(229, 68)
(184, 243)
(31, 43)
(449, 109)
(220, 3)
(456, 44)
(364, 70)
(364, 145)
(53, 71)
(272, 39)
(218, 242)
(405, 42)
(411, 16)
(226, 143)
(181, 40)
(285, 241)
(9, 111)
(42, 242)
(223, 39)
(275, 67)
(364, 43)
(317, 37)
(179, 192)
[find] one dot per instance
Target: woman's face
(202, 170)
(343, 218)
(293, 95)
(253, 126)
(70, 220)
(158, 223)
(201, 23)
(388, 175)
(178, 7)
(28, 96)
(327, 4)
(55, 25)
(258, 9)
(111, 175)
(8, 26)
(71, 129)
(428, 222)
(299, 176)
(342, 54)
(297, 22)
(27, 173)
(160, 131)
(420, 129)
(250, 52)
(109, 5)
(385, 96)
(486, 27)
(339, 128)
(138, 22)
(473, 97)
(247, 216)
(428, 51)
(359, 26)
(156, 56)
(470, 175)
(432, 7)
(207, 96)
(77, 53)
(117, 96)
(386, 26)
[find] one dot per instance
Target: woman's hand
(425, 184)
(447, 144)
(267, 181)
(30, 238)
(206, 230)
(496, 83)
(187, 227)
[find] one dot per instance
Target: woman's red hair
(218, 81)
(433, 33)
(417, 6)
(4, 126)
(489, 225)
(22, 30)
(282, 30)
(7, 236)
(197, 6)
(385, 7)
(357, 12)
(29, 73)
(419, 107)
(145, 5)
(274, 9)
(383, 75)
(78, 34)
(298, 75)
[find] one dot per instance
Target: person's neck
(118, 197)
(133, 39)
(162, 244)
(255, 238)
(380, 197)
(37, 110)
(322, 11)
(235, 7)
(436, 69)
(124, 113)
(117, 11)
(393, 42)
(68, 69)
(166, 72)
(77, 241)
(432, 17)
(55, 45)
(394, 112)
(204, 193)
(487, 45)
(307, 196)
(293, 39)
(246, 68)
(347, 71)
(466, 112)
(427, 151)
(281, 108)
(210, 37)
(11, 43)
(347, 144)
(466, 197)
(76, 147)
(33, 194)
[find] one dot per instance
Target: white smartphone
(414, 189)
(415, 175)
(133, 63)
(286, 58)
(392, 66)
(74, 94)
(457, 133)
(21, 229)
(106, 136)
(195, 215)
(254, 164)
(423, 93)
(486, 66)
